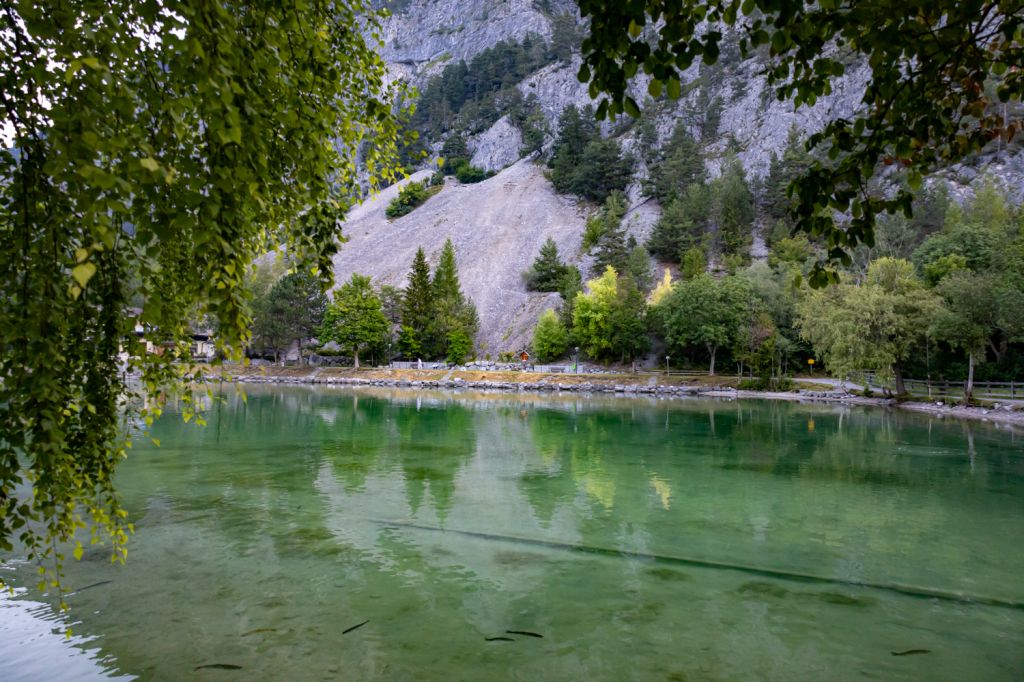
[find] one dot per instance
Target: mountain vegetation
(941, 77)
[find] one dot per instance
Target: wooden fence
(942, 389)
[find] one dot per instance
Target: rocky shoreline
(553, 384)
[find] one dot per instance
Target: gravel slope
(497, 226)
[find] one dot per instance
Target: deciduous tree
(550, 338)
(151, 152)
(355, 319)
(704, 311)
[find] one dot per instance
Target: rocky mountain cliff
(498, 225)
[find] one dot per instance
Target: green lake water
(639, 539)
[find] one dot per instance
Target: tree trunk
(712, 350)
(897, 371)
(969, 388)
(355, 358)
(999, 350)
(298, 349)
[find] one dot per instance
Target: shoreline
(605, 384)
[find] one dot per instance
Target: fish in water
(355, 627)
(911, 652)
(253, 632)
(525, 632)
(498, 639)
(219, 666)
(83, 589)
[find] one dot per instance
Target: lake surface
(637, 539)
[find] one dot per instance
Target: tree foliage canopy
(926, 103)
(290, 312)
(153, 151)
(355, 319)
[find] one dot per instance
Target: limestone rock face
(428, 33)
(498, 147)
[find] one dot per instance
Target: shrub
(409, 197)
(468, 174)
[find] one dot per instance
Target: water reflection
(640, 539)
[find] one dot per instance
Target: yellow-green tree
(550, 338)
(875, 326)
(609, 319)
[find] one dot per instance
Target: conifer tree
(547, 270)
(612, 249)
(291, 312)
(680, 164)
(638, 266)
(681, 226)
(417, 307)
(452, 311)
(793, 163)
(571, 284)
(733, 208)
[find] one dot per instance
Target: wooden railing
(942, 389)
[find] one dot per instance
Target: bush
(459, 346)
(767, 384)
(409, 197)
(550, 339)
(468, 174)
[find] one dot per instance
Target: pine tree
(602, 170)
(611, 247)
(781, 172)
(417, 306)
(733, 208)
(291, 312)
(575, 131)
(680, 165)
(452, 311)
(571, 284)
(681, 226)
(638, 267)
(547, 270)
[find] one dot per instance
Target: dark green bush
(409, 197)
(468, 174)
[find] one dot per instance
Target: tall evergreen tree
(571, 284)
(547, 270)
(575, 131)
(682, 225)
(602, 170)
(793, 163)
(454, 316)
(733, 208)
(291, 312)
(612, 249)
(417, 307)
(638, 266)
(680, 164)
